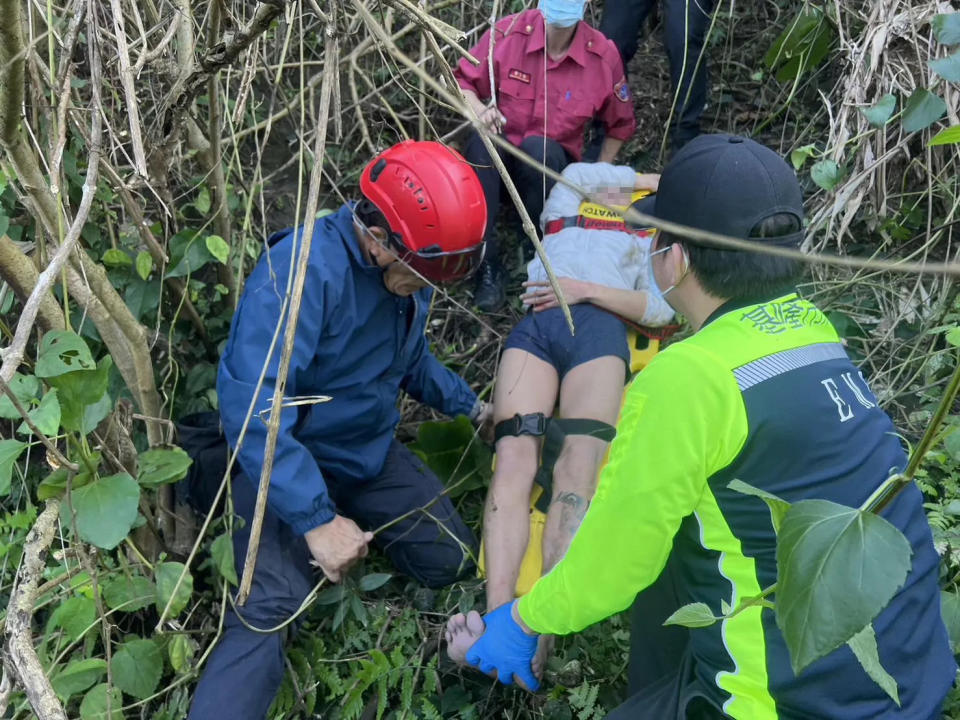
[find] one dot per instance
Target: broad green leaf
(166, 577)
(947, 136)
(180, 650)
(202, 203)
(222, 551)
(953, 336)
(826, 174)
(331, 596)
(62, 351)
(778, 506)
(923, 108)
(129, 594)
(950, 611)
(952, 445)
(218, 248)
(948, 68)
(879, 114)
(194, 255)
(452, 451)
(694, 615)
(75, 616)
(105, 510)
(864, 646)
(791, 40)
(116, 258)
(832, 557)
(94, 705)
(25, 388)
(78, 676)
(79, 390)
(9, 453)
(136, 668)
(53, 485)
(162, 465)
(373, 581)
(946, 28)
(46, 416)
(799, 156)
(144, 264)
(94, 414)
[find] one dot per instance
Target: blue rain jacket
(355, 341)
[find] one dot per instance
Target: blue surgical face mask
(562, 13)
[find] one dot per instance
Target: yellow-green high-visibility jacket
(764, 393)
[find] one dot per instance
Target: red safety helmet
(433, 201)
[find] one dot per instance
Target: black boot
(489, 294)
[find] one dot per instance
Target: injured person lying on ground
(603, 267)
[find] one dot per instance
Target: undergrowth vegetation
(151, 147)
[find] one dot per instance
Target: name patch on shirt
(622, 91)
(519, 75)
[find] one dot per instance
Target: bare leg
(525, 384)
(592, 390)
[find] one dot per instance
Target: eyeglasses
(439, 265)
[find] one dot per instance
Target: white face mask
(686, 269)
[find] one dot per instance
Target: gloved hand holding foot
(506, 648)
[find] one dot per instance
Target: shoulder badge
(622, 91)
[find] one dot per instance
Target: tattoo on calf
(572, 509)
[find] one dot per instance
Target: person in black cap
(762, 392)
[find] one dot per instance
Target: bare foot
(544, 651)
(462, 631)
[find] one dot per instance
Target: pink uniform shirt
(588, 82)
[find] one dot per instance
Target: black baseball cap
(727, 184)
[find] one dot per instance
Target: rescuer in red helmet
(338, 472)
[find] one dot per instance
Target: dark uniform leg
(488, 293)
(621, 22)
(244, 671)
(532, 184)
(685, 27)
(435, 547)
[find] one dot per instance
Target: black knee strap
(553, 430)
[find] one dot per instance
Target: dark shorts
(547, 336)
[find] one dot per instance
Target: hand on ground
(337, 545)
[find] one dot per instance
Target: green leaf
(9, 453)
(222, 551)
(62, 351)
(778, 506)
(202, 203)
(950, 611)
(826, 174)
(331, 596)
(180, 650)
(828, 557)
(373, 581)
(105, 510)
(218, 248)
(948, 68)
(75, 616)
(78, 676)
(144, 264)
(864, 646)
(94, 705)
(193, 255)
(952, 445)
(879, 114)
(923, 108)
(694, 615)
(946, 28)
(136, 668)
(799, 156)
(81, 389)
(163, 465)
(25, 388)
(947, 136)
(129, 594)
(453, 452)
(953, 336)
(116, 258)
(166, 577)
(46, 416)
(53, 485)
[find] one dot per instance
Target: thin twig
(129, 92)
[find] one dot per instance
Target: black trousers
(532, 185)
(661, 680)
(246, 668)
(685, 25)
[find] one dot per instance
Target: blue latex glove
(506, 648)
